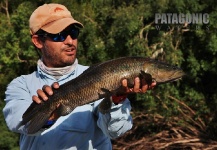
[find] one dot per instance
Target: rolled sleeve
(16, 104)
(118, 121)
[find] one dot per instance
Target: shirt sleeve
(18, 99)
(118, 121)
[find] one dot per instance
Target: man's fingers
(36, 99)
(153, 84)
(42, 95)
(55, 85)
(44, 92)
(136, 87)
(124, 83)
(144, 86)
(139, 86)
(47, 89)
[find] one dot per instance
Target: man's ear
(36, 41)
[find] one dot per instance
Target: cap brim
(59, 25)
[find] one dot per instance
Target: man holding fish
(54, 33)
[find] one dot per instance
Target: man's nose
(69, 40)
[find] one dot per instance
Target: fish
(99, 81)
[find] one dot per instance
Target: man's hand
(137, 87)
(42, 96)
(42, 93)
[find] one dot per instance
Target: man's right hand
(43, 96)
(42, 93)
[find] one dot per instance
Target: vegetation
(172, 116)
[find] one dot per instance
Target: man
(54, 32)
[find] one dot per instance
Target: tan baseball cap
(52, 18)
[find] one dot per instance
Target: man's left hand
(137, 87)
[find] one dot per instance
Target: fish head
(162, 72)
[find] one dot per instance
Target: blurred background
(178, 115)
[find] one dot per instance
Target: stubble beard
(58, 60)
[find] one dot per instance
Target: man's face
(59, 53)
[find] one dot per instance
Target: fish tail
(35, 117)
(37, 122)
(30, 112)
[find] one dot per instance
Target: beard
(59, 57)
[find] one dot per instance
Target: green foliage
(115, 28)
(8, 140)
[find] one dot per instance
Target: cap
(52, 18)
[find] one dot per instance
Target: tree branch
(4, 5)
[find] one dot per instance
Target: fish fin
(146, 76)
(106, 91)
(63, 110)
(100, 95)
(105, 105)
(35, 117)
(104, 94)
(30, 112)
(37, 122)
(119, 91)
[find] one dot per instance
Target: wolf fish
(99, 81)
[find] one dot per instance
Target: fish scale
(88, 87)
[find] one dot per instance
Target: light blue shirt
(83, 129)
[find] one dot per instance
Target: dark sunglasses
(60, 37)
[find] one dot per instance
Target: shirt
(85, 128)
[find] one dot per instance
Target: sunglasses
(60, 37)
